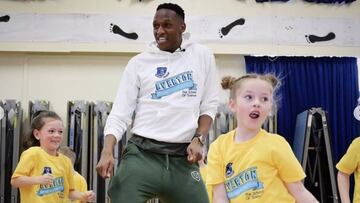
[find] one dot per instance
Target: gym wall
(59, 72)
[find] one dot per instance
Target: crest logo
(161, 72)
(47, 170)
(196, 175)
(229, 171)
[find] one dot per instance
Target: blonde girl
(249, 164)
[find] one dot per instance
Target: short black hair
(174, 7)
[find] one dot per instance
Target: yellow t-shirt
(35, 162)
(255, 170)
(350, 163)
(203, 172)
(80, 184)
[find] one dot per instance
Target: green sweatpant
(143, 175)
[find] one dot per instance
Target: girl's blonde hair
(233, 84)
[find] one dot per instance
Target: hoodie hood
(152, 47)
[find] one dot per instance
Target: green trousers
(144, 175)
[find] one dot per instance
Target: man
(172, 90)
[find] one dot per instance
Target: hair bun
(273, 80)
(227, 82)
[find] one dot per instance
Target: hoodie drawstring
(167, 161)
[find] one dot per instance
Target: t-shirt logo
(47, 170)
(57, 185)
(229, 170)
(246, 180)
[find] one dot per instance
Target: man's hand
(194, 151)
(106, 163)
(195, 148)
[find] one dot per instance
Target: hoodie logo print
(174, 84)
(161, 72)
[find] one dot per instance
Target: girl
(349, 164)
(248, 163)
(42, 174)
(80, 183)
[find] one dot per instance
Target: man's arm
(204, 123)
(106, 162)
(208, 107)
(343, 185)
(119, 119)
(195, 150)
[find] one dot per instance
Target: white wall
(59, 78)
(191, 7)
(88, 75)
(236, 8)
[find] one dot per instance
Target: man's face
(168, 29)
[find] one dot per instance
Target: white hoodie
(167, 92)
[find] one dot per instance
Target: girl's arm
(88, 196)
(300, 193)
(219, 194)
(23, 181)
(343, 185)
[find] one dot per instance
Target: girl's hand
(46, 179)
(88, 196)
